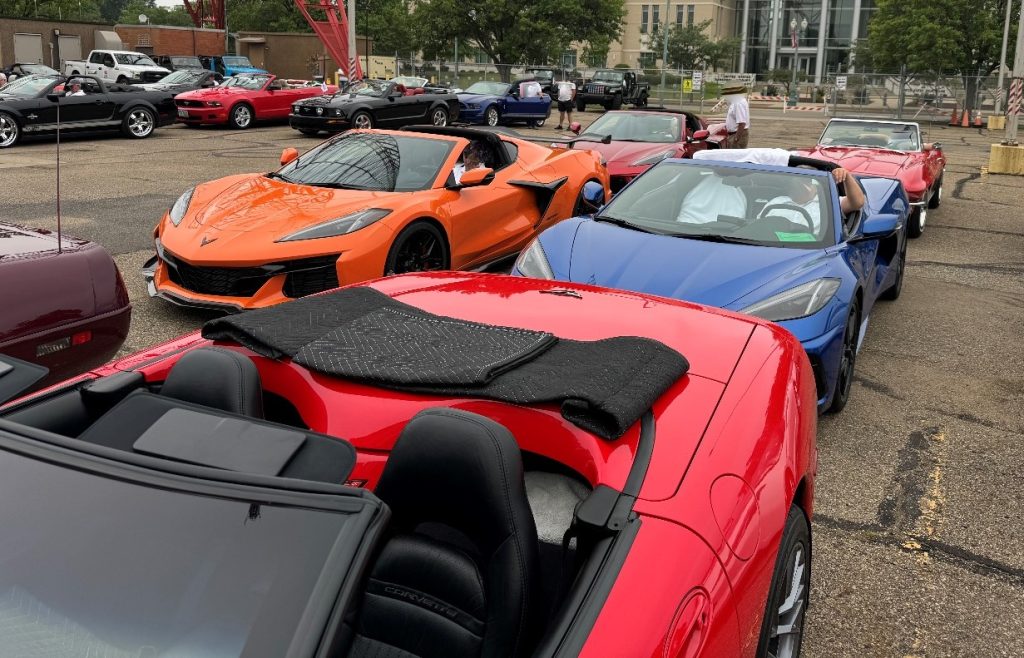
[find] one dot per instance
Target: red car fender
(688, 614)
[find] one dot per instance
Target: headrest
(219, 378)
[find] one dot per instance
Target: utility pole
(353, 55)
(664, 48)
(1016, 84)
(1002, 58)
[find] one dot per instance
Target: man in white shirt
(803, 193)
(737, 120)
(75, 88)
(710, 198)
(566, 101)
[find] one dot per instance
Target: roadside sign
(687, 86)
(698, 80)
(840, 82)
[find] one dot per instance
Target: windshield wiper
(338, 186)
(624, 224)
(714, 237)
(278, 176)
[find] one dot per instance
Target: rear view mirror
(17, 377)
(475, 177)
(288, 155)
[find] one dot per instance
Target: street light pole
(1002, 58)
(1016, 83)
(794, 94)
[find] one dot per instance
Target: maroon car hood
(626, 153)
(17, 242)
(875, 162)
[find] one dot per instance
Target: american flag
(792, 36)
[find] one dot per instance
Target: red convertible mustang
(445, 464)
(245, 98)
(642, 138)
(892, 149)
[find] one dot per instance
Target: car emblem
(319, 110)
(32, 117)
(207, 241)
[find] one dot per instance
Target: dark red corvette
(431, 465)
(67, 310)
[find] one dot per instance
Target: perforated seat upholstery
(459, 576)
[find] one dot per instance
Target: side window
(96, 58)
(108, 61)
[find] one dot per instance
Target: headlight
(212, 104)
(338, 112)
(799, 302)
(473, 106)
(180, 207)
(340, 226)
(654, 159)
(533, 262)
(295, 109)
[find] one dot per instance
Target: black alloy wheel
(848, 360)
(420, 247)
(783, 625)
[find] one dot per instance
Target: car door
(96, 106)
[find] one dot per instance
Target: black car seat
(218, 378)
(460, 574)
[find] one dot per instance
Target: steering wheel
(806, 216)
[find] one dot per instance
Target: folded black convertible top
(359, 333)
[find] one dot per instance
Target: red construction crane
(332, 28)
(206, 13)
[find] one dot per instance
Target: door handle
(100, 102)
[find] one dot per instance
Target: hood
(626, 153)
(697, 271)
(478, 99)
(876, 162)
(337, 100)
(215, 92)
(140, 68)
(159, 86)
(18, 242)
(247, 214)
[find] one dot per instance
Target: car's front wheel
(936, 198)
(241, 116)
(439, 117)
(420, 247)
(121, 80)
(918, 218)
(783, 625)
(492, 116)
(10, 131)
(847, 360)
(139, 123)
(362, 120)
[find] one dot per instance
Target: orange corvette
(363, 204)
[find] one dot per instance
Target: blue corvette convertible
(766, 240)
(495, 103)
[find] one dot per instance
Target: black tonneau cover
(359, 333)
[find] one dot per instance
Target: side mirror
(53, 98)
(699, 135)
(880, 227)
(575, 127)
(288, 155)
(593, 196)
(17, 377)
(475, 177)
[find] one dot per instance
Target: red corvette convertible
(891, 149)
(66, 309)
(245, 98)
(641, 138)
(443, 464)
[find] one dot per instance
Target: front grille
(184, 103)
(152, 76)
(594, 89)
(322, 275)
(619, 182)
(305, 276)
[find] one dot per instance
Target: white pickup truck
(121, 66)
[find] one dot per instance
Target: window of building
(680, 10)
(569, 59)
(647, 60)
(689, 14)
(655, 9)
(643, 18)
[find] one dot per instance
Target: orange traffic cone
(977, 119)
(966, 121)
(954, 117)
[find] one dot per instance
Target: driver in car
(803, 193)
(472, 158)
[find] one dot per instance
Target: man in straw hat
(737, 121)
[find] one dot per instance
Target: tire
(936, 198)
(847, 361)
(789, 591)
(75, 73)
(241, 116)
(581, 106)
(892, 293)
(439, 117)
(641, 102)
(138, 123)
(538, 123)
(121, 80)
(362, 120)
(10, 131)
(617, 102)
(404, 256)
(309, 133)
(492, 116)
(918, 219)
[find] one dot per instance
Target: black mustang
(185, 80)
(86, 103)
(369, 104)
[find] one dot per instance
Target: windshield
(187, 62)
(113, 567)
(237, 61)
(410, 81)
(30, 86)
(546, 74)
(490, 88)
(246, 81)
(370, 161)
(183, 76)
(608, 76)
(135, 59)
(896, 136)
(637, 127)
(730, 203)
(36, 69)
(374, 88)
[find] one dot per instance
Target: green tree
(514, 32)
(690, 48)
(389, 25)
(266, 16)
(595, 52)
(61, 10)
(155, 14)
(938, 36)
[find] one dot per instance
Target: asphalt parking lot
(918, 526)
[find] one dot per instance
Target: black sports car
(29, 106)
(370, 104)
(20, 69)
(185, 80)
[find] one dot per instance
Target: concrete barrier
(1005, 159)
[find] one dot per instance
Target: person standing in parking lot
(566, 99)
(737, 121)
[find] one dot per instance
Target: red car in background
(637, 480)
(243, 99)
(67, 309)
(890, 149)
(644, 137)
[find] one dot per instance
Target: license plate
(183, 114)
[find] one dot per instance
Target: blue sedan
(496, 103)
(765, 240)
